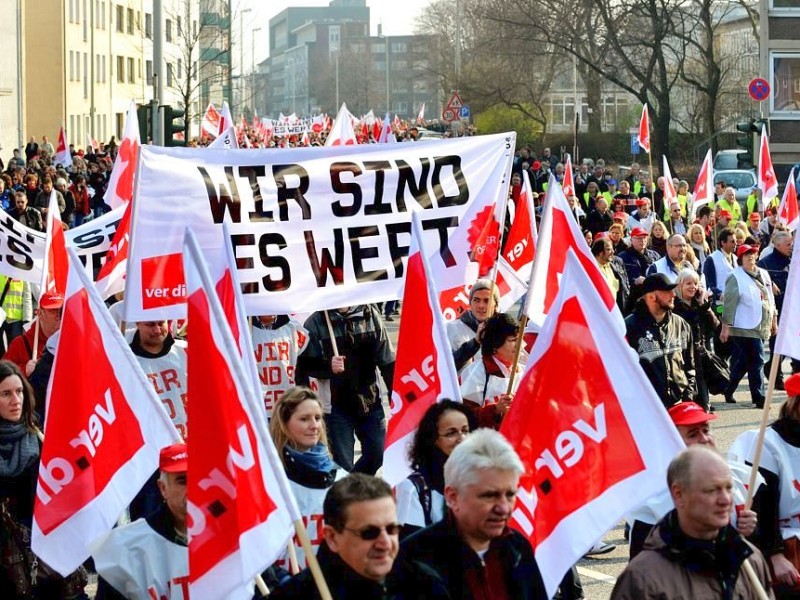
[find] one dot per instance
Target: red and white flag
(559, 232)
(111, 278)
(424, 372)
(670, 193)
(599, 451)
(644, 130)
(92, 143)
(767, 180)
(569, 179)
(421, 114)
(225, 118)
(56, 263)
(516, 261)
(105, 427)
(788, 212)
(386, 130)
(342, 132)
(63, 156)
(704, 188)
(788, 341)
(209, 125)
(227, 139)
(242, 524)
(120, 183)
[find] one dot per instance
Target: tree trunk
(594, 98)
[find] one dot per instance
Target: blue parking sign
(634, 143)
(464, 114)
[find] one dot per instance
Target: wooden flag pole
(262, 586)
(762, 430)
(311, 560)
(751, 575)
(523, 321)
(294, 567)
(330, 332)
(35, 340)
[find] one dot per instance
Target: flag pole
(262, 586)
(311, 560)
(293, 566)
(330, 332)
(751, 575)
(762, 430)
(523, 321)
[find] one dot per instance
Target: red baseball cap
(600, 235)
(689, 413)
(754, 216)
(792, 385)
(725, 214)
(745, 249)
(174, 458)
(639, 232)
(51, 300)
(621, 216)
(642, 201)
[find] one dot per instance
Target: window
(179, 26)
(398, 47)
(77, 11)
(120, 119)
(103, 69)
(131, 72)
(71, 11)
(97, 68)
(399, 64)
(130, 21)
(194, 29)
(120, 19)
(72, 123)
(785, 4)
(71, 65)
(148, 25)
(168, 30)
(169, 75)
(77, 66)
(86, 75)
(102, 15)
(180, 68)
(378, 48)
(120, 69)
(785, 75)
(85, 23)
(148, 71)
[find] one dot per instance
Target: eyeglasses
(371, 532)
(451, 434)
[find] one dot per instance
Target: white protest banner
(289, 130)
(312, 228)
(22, 249)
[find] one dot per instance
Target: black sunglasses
(371, 532)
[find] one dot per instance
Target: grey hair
(780, 235)
(483, 449)
(680, 469)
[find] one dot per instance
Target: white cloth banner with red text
(593, 436)
(313, 228)
(424, 371)
(104, 429)
(242, 523)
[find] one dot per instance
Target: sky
(398, 18)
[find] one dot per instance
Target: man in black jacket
(359, 555)
(472, 549)
(663, 341)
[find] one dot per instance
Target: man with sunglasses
(358, 556)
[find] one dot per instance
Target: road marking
(584, 572)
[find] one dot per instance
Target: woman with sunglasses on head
(297, 427)
(420, 497)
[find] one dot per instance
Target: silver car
(743, 180)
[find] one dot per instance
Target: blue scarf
(316, 458)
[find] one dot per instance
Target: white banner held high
(312, 228)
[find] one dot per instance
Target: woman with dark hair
(484, 383)
(20, 451)
(420, 497)
(297, 427)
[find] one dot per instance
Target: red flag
(516, 260)
(569, 180)
(376, 129)
(105, 427)
(487, 242)
(601, 448)
(210, 123)
(111, 278)
(342, 133)
(56, 263)
(424, 372)
(63, 156)
(421, 114)
(788, 212)
(767, 180)
(242, 523)
(560, 232)
(704, 189)
(670, 193)
(644, 130)
(120, 182)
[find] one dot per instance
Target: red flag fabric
(111, 278)
(56, 263)
(120, 182)
(644, 130)
(569, 179)
(487, 242)
(704, 188)
(342, 132)
(558, 233)
(385, 131)
(225, 118)
(767, 180)
(424, 371)
(670, 193)
(241, 523)
(105, 427)
(599, 450)
(788, 212)
(516, 261)
(210, 123)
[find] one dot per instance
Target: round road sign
(448, 114)
(759, 89)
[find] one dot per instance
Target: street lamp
(386, 48)
(241, 52)
(253, 65)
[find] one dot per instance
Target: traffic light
(746, 143)
(145, 122)
(172, 124)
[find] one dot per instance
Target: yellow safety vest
(13, 303)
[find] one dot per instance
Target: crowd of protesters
(701, 292)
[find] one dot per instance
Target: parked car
(727, 160)
(743, 180)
